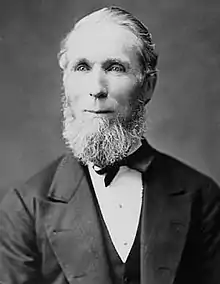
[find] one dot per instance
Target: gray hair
(148, 56)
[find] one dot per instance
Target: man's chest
(120, 206)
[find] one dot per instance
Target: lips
(99, 111)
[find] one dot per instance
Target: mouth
(99, 111)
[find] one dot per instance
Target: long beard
(100, 140)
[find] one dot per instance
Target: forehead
(97, 42)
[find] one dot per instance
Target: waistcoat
(122, 273)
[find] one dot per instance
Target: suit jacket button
(165, 272)
(177, 227)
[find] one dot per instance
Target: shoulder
(42, 184)
(39, 184)
(176, 173)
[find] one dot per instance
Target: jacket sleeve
(19, 257)
(211, 233)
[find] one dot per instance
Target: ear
(62, 60)
(148, 86)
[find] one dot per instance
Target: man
(114, 210)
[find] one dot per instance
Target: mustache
(93, 106)
(101, 141)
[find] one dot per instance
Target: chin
(101, 140)
(98, 142)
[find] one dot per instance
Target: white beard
(100, 140)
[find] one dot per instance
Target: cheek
(124, 90)
(75, 90)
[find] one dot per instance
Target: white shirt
(120, 205)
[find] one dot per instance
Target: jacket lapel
(165, 221)
(74, 232)
(72, 226)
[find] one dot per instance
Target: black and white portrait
(109, 142)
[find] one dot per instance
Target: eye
(82, 67)
(117, 68)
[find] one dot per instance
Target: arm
(19, 257)
(211, 233)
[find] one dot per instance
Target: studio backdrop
(184, 114)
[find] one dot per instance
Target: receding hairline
(122, 19)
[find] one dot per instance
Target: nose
(98, 87)
(99, 95)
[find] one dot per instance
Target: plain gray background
(185, 109)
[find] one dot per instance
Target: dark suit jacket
(50, 231)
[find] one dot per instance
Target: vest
(120, 272)
(128, 272)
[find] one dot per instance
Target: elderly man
(113, 210)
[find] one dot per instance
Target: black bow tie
(139, 160)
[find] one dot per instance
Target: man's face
(103, 70)
(102, 91)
